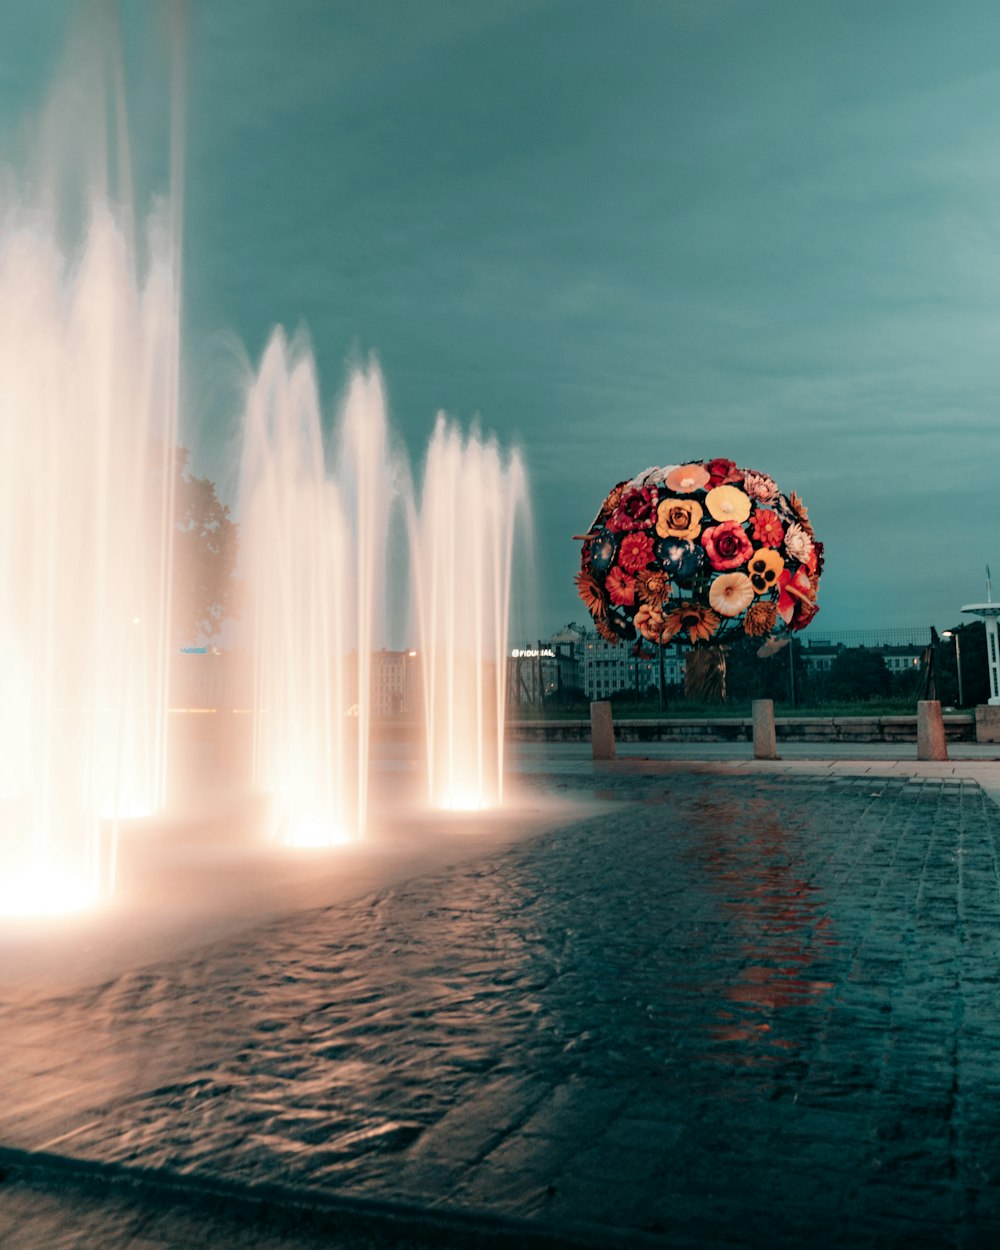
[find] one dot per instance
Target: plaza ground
(694, 1000)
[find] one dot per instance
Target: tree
(857, 673)
(205, 549)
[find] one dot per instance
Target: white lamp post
(989, 613)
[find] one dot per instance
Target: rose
(635, 509)
(721, 472)
(727, 545)
(679, 518)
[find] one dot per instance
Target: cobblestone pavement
(726, 1011)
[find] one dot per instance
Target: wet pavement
(720, 1008)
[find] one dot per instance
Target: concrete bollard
(765, 743)
(931, 744)
(602, 731)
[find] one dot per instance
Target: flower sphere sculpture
(694, 554)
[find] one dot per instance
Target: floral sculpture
(695, 553)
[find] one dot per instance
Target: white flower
(652, 476)
(760, 487)
(798, 544)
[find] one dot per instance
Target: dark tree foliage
(858, 673)
(750, 676)
(205, 549)
(975, 666)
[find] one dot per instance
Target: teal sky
(625, 233)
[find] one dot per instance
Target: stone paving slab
(727, 1010)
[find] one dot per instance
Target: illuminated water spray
(89, 366)
(462, 543)
(312, 544)
(314, 540)
(88, 417)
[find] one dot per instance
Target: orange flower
(589, 589)
(760, 618)
(613, 499)
(650, 622)
(801, 511)
(698, 622)
(767, 529)
(620, 587)
(605, 630)
(731, 594)
(686, 478)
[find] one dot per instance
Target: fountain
(314, 540)
(462, 543)
(89, 369)
(312, 550)
(88, 418)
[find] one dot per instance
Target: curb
(293, 1209)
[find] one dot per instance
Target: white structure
(989, 612)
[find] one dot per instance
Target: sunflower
(592, 594)
(652, 586)
(605, 630)
(613, 499)
(760, 618)
(801, 511)
(697, 621)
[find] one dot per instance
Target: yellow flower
(679, 518)
(728, 503)
(765, 566)
(698, 622)
(731, 594)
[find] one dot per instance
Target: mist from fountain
(89, 352)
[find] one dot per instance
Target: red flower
(620, 587)
(727, 545)
(767, 529)
(635, 552)
(636, 510)
(796, 599)
(722, 473)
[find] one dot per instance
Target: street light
(953, 633)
